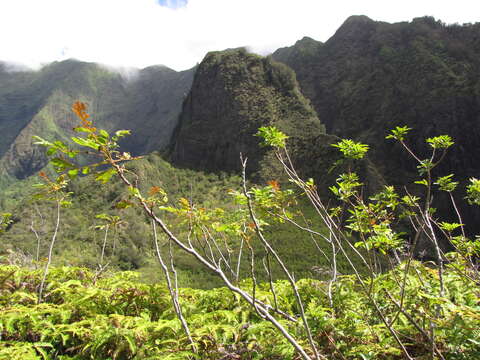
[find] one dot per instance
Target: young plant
(54, 191)
(110, 222)
(5, 221)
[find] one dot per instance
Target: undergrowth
(118, 317)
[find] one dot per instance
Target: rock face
(233, 94)
(372, 76)
(154, 103)
(39, 103)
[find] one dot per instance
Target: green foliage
(271, 136)
(118, 317)
(449, 227)
(39, 102)
(53, 190)
(359, 315)
(398, 133)
(347, 186)
(351, 149)
(5, 220)
(440, 142)
(425, 166)
(473, 191)
(445, 183)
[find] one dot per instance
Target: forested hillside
(372, 76)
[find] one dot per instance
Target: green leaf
(440, 142)
(103, 133)
(82, 129)
(169, 209)
(351, 149)
(449, 226)
(134, 191)
(61, 164)
(65, 203)
(445, 183)
(51, 151)
(39, 347)
(123, 204)
(86, 142)
(398, 133)
(41, 142)
(103, 216)
(73, 173)
(105, 176)
(122, 133)
(60, 145)
(131, 343)
(422, 182)
(473, 192)
(272, 137)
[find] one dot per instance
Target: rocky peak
(233, 94)
(355, 29)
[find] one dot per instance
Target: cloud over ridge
(178, 33)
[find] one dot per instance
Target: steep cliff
(372, 76)
(233, 94)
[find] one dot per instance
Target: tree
(52, 190)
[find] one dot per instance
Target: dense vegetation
(38, 103)
(80, 242)
(117, 317)
(398, 309)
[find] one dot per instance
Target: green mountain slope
(372, 76)
(38, 103)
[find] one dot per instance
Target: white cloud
(139, 33)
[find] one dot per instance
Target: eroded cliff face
(154, 103)
(233, 94)
(41, 105)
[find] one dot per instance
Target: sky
(178, 33)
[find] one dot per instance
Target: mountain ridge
(372, 76)
(43, 100)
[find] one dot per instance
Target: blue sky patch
(173, 4)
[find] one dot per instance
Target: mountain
(154, 103)
(372, 76)
(38, 103)
(368, 78)
(233, 94)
